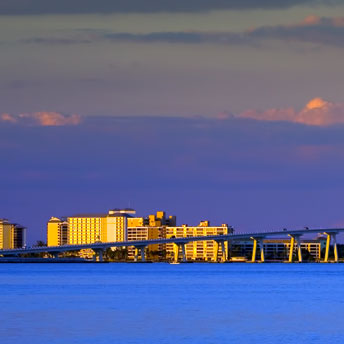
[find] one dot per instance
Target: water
(162, 303)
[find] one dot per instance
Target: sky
(231, 111)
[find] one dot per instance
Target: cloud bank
(44, 119)
(317, 112)
(32, 7)
(312, 29)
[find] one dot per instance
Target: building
(57, 232)
(155, 252)
(12, 235)
(119, 225)
(89, 228)
(197, 250)
(157, 220)
(149, 228)
(160, 226)
(278, 249)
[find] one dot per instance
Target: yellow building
(12, 235)
(197, 250)
(136, 222)
(149, 228)
(57, 232)
(146, 233)
(89, 228)
(160, 219)
(160, 226)
(157, 220)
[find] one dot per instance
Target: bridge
(140, 245)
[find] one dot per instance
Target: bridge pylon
(98, 255)
(333, 236)
(261, 247)
(177, 247)
(219, 243)
(293, 238)
(142, 253)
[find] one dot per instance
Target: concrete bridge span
(140, 246)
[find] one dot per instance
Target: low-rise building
(197, 250)
(278, 249)
(156, 251)
(159, 226)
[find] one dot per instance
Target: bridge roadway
(99, 247)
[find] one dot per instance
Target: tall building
(89, 228)
(197, 250)
(12, 235)
(57, 232)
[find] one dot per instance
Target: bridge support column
(328, 241)
(294, 238)
(223, 251)
(142, 251)
(299, 252)
(98, 255)
(183, 252)
(261, 244)
(291, 249)
(330, 236)
(216, 249)
(229, 243)
(335, 249)
(176, 253)
(254, 250)
(223, 248)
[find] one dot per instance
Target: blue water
(162, 303)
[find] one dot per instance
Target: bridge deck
(227, 237)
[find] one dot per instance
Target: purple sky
(254, 175)
(221, 110)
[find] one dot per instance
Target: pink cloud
(6, 117)
(44, 118)
(317, 111)
(314, 20)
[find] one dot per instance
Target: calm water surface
(162, 303)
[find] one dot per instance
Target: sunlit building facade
(147, 233)
(149, 228)
(198, 250)
(154, 220)
(89, 228)
(12, 235)
(159, 226)
(57, 232)
(119, 225)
